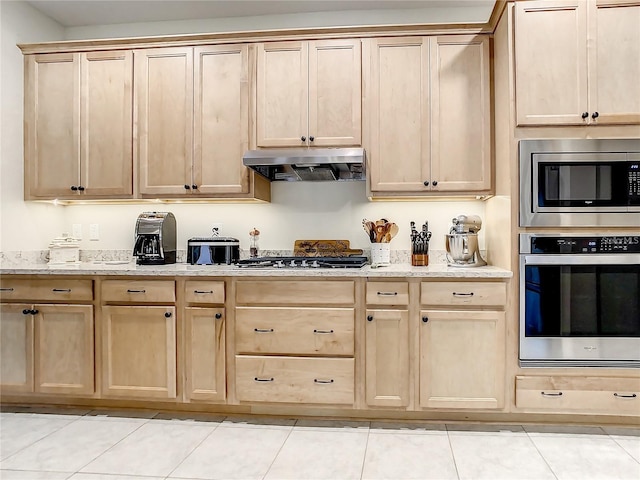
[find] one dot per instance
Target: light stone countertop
(182, 269)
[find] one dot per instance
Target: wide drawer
(295, 293)
(295, 379)
(48, 290)
(139, 291)
(605, 395)
(387, 293)
(202, 291)
(295, 331)
(463, 294)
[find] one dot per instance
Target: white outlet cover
(94, 232)
(77, 231)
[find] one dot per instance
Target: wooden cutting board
(324, 248)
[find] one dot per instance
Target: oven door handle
(582, 259)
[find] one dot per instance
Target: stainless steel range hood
(310, 164)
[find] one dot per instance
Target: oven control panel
(595, 244)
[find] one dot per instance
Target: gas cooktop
(304, 262)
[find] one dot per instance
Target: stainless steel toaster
(213, 250)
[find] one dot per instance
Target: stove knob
(293, 263)
(279, 264)
(315, 264)
(304, 263)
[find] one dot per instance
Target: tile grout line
(279, 450)
(540, 453)
(625, 450)
(453, 455)
(366, 446)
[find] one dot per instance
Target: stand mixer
(462, 242)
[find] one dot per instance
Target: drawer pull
(388, 294)
(458, 294)
(135, 291)
(203, 291)
(64, 290)
(622, 395)
(322, 331)
(263, 379)
(9, 289)
(263, 330)
(322, 381)
(559, 394)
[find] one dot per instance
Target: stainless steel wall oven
(579, 300)
(580, 183)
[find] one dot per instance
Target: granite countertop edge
(186, 270)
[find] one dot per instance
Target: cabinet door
(205, 354)
(551, 62)
(334, 92)
(16, 348)
(461, 113)
(221, 122)
(282, 94)
(52, 121)
(106, 124)
(398, 111)
(387, 358)
(462, 357)
(64, 349)
(139, 352)
(164, 120)
(614, 63)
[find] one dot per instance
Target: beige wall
(298, 210)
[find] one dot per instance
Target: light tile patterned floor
(109, 445)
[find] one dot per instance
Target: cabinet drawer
(138, 291)
(463, 294)
(203, 292)
(387, 293)
(295, 293)
(46, 290)
(295, 331)
(295, 379)
(606, 395)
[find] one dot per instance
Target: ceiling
(77, 13)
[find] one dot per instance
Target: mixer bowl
(461, 247)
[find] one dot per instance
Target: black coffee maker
(155, 238)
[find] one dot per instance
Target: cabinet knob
(370, 318)
(187, 187)
(167, 314)
(218, 316)
(425, 319)
(585, 114)
(195, 187)
(74, 188)
(303, 138)
(26, 311)
(426, 183)
(595, 115)
(435, 182)
(312, 138)
(81, 188)
(34, 312)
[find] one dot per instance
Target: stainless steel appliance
(462, 242)
(579, 182)
(580, 300)
(155, 238)
(309, 164)
(304, 262)
(213, 250)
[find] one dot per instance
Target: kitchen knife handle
(263, 330)
(388, 294)
(559, 394)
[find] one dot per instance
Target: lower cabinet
(47, 349)
(462, 356)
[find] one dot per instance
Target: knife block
(419, 259)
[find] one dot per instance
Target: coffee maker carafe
(462, 242)
(155, 238)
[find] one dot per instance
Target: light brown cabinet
(309, 93)
(429, 115)
(577, 62)
(192, 109)
(79, 125)
(138, 339)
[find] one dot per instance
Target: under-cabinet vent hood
(310, 164)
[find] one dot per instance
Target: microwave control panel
(634, 180)
(588, 245)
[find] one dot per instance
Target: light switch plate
(94, 231)
(77, 231)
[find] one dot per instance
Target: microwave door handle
(583, 259)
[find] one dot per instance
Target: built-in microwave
(580, 183)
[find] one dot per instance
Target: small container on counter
(254, 243)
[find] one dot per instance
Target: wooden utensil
(393, 231)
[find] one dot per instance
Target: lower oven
(579, 300)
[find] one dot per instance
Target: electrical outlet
(77, 231)
(216, 229)
(94, 232)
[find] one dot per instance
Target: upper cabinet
(192, 111)
(309, 93)
(78, 125)
(429, 114)
(577, 62)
